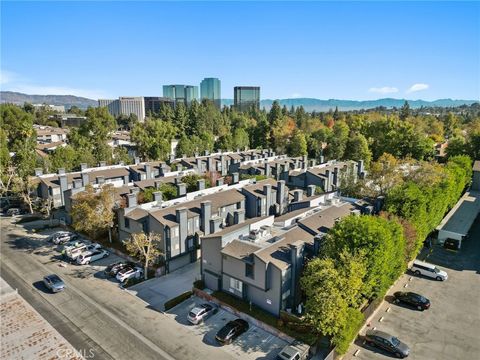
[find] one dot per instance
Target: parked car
(89, 256)
(451, 244)
(61, 237)
(54, 283)
(429, 270)
(295, 351)
(413, 299)
(129, 273)
(231, 330)
(113, 269)
(387, 342)
(72, 244)
(73, 253)
(13, 212)
(201, 313)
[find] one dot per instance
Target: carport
(459, 220)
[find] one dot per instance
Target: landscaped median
(286, 330)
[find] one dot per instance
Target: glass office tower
(246, 97)
(210, 88)
(184, 93)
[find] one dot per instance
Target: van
(429, 270)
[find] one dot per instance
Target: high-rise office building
(153, 104)
(246, 97)
(210, 88)
(125, 106)
(184, 93)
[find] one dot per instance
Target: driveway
(155, 292)
(450, 329)
(256, 343)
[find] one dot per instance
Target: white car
(73, 253)
(129, 273)
(61, 237)
(201, 313)
(90, 256)
(429, 270)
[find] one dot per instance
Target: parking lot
(450, 329)
(256, 343)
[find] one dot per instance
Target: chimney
(61, 171)
(267, 169)
(137, 160)
(85, 179)
(207, 152)
(312, 162)
(201, 184)
(281, 195)
(157, 197)
(305, 160)
(181, 189)
(297, 163)
(317, 242)
(184, 156)
(182, 220)
(322, 159)
(199, 165)
(310, 190)
(100, 180)
(126, 179)
(238, 216)
(335, 176)
(38, 171)
(131, 200)
(157, 184)
(205, 215)
(215, 225)
(102, 163)
(277, 170)
(63, 186)
(171, 158)
(210, 164)
(134, 190)
(267, 191)
(327, 181)
(83, 166)
(235, 177)
(121, 163)
(223, 161)
(177, 180)
(179, 167)
(360, 167)
(297, 195)
(148, 171)
(219, 182)
(296, 250)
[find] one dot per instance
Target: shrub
(199, 284)
(344, 337)
(177, 300)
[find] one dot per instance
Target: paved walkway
(155, 292)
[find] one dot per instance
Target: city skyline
(357, 51)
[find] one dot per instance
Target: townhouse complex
(252, 236)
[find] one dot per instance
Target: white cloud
(11, 81)
(383, 90)
(417, 87)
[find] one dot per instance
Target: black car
(113, 269)
(412, 299)
(231, 330)
(387, 342)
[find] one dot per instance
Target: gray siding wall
(476, 181)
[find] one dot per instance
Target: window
(236, 284)
(175, 231)
(249, 270)
(127, 223)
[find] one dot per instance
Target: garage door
(178, 262)
(211, 281)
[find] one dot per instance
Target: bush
(343, 339)
(199, 284)
(177, 300)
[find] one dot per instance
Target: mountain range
(309, 104)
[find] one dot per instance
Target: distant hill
(309, 104)
(66, 100)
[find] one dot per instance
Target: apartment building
(266, 197)
(50, 134)
(264, 267)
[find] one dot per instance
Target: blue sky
(346, 50)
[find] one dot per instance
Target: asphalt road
(93, 312)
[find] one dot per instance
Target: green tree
(357, 149)
(145, 247)
(92, 211)
(298, 145)
(153, 139)
(338, 142)
(405, 111)
(64, 157)
(240, 139)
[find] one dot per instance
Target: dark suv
(412, 299)
(387, 342)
